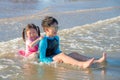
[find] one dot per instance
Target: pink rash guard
(29, 50)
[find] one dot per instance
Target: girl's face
(52, 31)
(32, 34)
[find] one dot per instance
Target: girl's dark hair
(48, 21)
(30, 26)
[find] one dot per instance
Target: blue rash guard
(48, 47)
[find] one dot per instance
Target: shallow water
(90, 40)
(70, 13)
(89, 30)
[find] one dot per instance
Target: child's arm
(35, 42)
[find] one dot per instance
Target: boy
(49, 46)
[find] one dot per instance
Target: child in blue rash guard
(49, 49)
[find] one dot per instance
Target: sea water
(89, 27)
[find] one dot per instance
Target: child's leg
(102, 59)
(21, 52)
(79, 57)
(69, 60)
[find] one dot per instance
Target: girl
(31, 37)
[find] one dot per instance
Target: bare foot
(102, 59)
(86, 64)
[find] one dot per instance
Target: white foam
(5, 76)
(3, 67)
(97, 36)
(76, 36)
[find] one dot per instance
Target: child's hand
(41, 37)
(59, 61)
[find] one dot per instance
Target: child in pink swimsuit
(31, 37)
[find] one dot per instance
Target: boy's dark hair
(30, 26)
(48, 21)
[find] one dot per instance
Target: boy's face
(52, 31)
